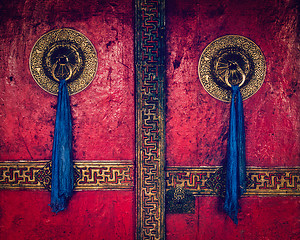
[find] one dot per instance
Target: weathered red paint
(103, 117)
(197, 124)
(261, 218)
(103, 114)
(90, 215)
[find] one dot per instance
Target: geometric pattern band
(150, 118)
(20, 174)
(211, 180)
(89, 175)
(118, 175)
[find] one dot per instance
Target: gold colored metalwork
(96, 175)
(89, 175)
(211, 180)
(231, 60)
(237, 70)
(16, 175)
(150, 119)
(180, 200)
(63, 54)
(61, 68)
(118, 175)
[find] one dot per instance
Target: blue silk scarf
(236, 166)
(62, 164)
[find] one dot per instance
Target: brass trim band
(150, 118)
(119, 175)
(89, 175)
(211, 180)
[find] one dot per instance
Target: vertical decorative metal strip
(150, 118)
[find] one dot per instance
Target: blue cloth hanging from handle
(62, 163)
(236, 165)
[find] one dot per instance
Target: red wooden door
(103, 124)
(178, 137)
(197, 124)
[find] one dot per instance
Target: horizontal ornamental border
(89, 175)
(118, 175)
(211, 180)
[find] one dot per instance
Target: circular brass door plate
(63, 54)
(231, 60)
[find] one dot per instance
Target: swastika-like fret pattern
(119, 175)
(211, 180)
(276, 181)
(18, 175)
(149, 64)
(89, 175)
(192, 179)
(105, 176)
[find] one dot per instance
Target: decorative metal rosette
(63, 54)
(231, 60)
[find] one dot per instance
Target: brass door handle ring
(240, 71)
(54, 68)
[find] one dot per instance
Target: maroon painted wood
(197, 124)
(104, 121)
(103, 117)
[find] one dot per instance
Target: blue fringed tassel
(241, 145)
(62, 164)
(236, 167)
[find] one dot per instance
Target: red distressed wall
(103, 117)
(197, 124)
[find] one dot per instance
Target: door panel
(197, 124)
(90, 215)
(102, 115)
(178, 136)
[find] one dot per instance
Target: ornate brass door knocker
(63, 54)
(232, 68)
(231, 60)
(62, 69)
(63, 62)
